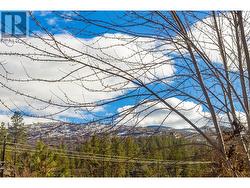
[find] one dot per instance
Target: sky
(99, 40)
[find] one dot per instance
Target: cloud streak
(29, 68)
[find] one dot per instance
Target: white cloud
(52, 21)
(125, 52)
(129, 54)
(153, 113)
(203, 35)
(27, 120)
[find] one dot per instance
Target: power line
(110, 159)
(91, 155)
(71, 152)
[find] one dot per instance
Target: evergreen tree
(96, 170)
(105, 149)
(132, 150)
(85, 166)
(118, 168)
(62, 163)
(24, 164)
(16, 135)
(43, 161)
(17, 131)
(3, 131)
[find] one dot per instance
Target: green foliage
(3, 131)
(118, 149)
(103, 156)
(43, 161)
(17, 131)
(62, 163)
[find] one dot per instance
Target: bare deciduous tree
(170, 63)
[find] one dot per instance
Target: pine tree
(118, 168)
(17, 135)
(85, 167)
(3, 131)
(105, 149)
(96, 166)
(62, 163)
(17, 131)
(131, 150)
(43, 161)
(24, 162)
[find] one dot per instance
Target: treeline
(155, 156)
(103, 156)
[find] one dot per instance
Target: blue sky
(92, 24)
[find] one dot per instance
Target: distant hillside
(55, 132)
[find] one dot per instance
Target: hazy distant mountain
(53, 132)
(160, 127)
